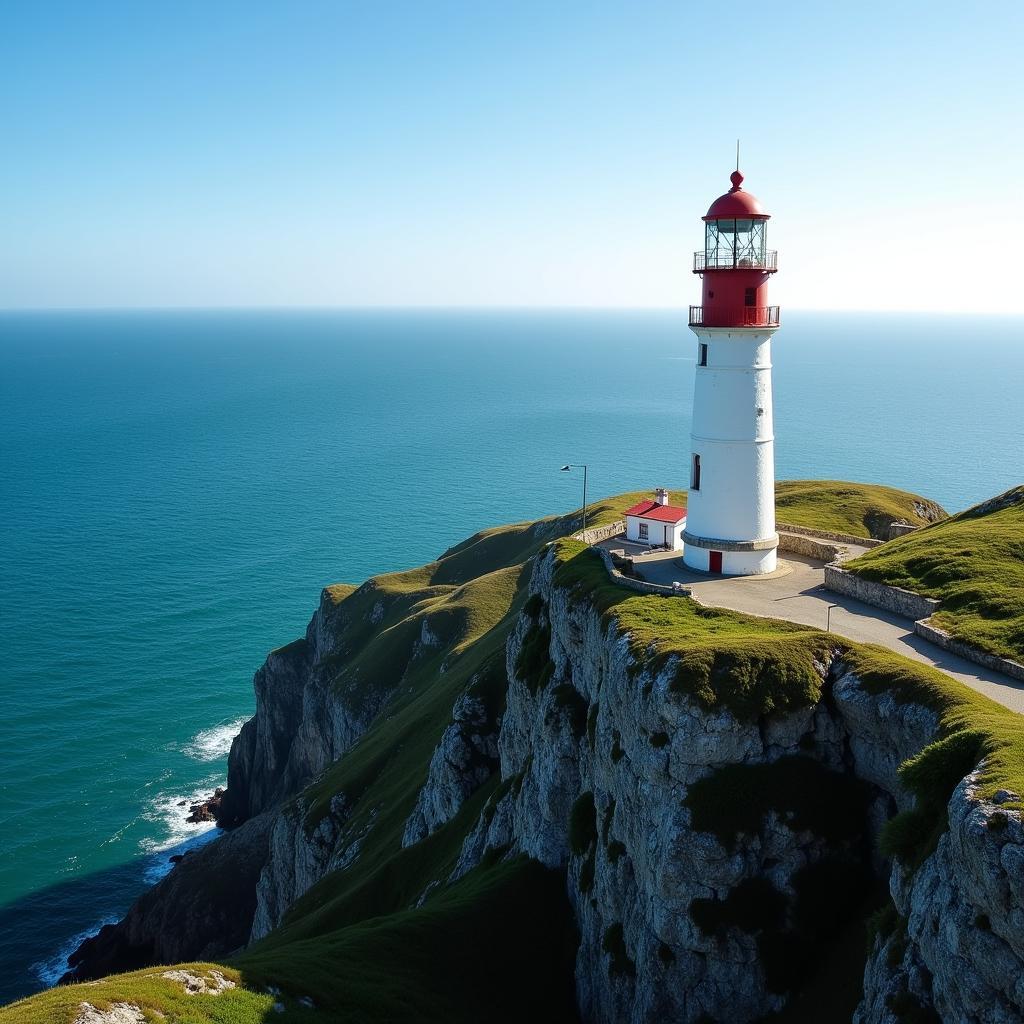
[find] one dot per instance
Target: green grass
(842, 507)
(749, 665)
(505, 927)
(974, 563)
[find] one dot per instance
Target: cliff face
(202, 909)
(302, 723)
(711, 846)
(607, 764)
(957, 947)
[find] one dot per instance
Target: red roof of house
(662, 513)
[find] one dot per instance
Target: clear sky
(485, 153)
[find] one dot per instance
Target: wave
(214, 743)
(175, 835)
(50, 970)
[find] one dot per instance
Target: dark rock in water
(202, 910)
(182, 803)
(206, 810)
(176, 858)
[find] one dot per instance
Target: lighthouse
(731, 509)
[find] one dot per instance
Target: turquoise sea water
(175, 489)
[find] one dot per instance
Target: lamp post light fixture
(828, 617)
(582, 465)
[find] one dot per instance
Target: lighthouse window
(695, 475)
(750, 297)
(703, 361)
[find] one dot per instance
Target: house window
(695, 475)
(703, 360)
(643, 531)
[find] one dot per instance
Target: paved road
(799, 596)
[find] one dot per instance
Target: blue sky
(334, 154)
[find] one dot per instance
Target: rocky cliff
(720, 795)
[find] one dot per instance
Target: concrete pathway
(799, 596)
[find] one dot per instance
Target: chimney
(661, 496)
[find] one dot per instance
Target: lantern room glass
(735, 242)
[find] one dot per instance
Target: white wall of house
(657, 532)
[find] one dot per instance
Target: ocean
(176, 488)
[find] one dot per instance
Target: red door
(715, 561)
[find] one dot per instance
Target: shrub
(592, 724)
(587, 870)
(665, 954)
(568, 697)
(736, 798)
(617, 752)
(614, 944)
(881, 924)
(615, 850)
(609, 813)
(533, 664)
(583, 824)
(659, 739)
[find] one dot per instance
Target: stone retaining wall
(892, 599)
(842, 538)
(942, 639)
(600, 533)
(809, 547)
(640, 586)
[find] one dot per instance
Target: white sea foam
(53, 968)
(174, 834)
(213, 744)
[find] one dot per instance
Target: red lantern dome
(736, 203)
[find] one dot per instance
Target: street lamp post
(828, 617)
(583, 466)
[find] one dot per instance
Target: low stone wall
(640, 586)
(942, 639)
(600, 533)
(842, 538)
(809, 547)
(892, 599)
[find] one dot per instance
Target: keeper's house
(656, 523)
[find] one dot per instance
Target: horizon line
(468, 308)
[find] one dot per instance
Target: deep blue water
(175, 489)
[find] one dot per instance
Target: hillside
(974, 563)
(863, 510)
(500, 786)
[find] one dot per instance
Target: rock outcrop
(302, 723)
(203, 909)
(957, 947)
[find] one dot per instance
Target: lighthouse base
(730, 557)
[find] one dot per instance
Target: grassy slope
(498, 945)
(380, 952)
(974, 563)
(847, 507)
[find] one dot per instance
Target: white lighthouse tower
(731, 509)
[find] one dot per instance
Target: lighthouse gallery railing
(735, 261)
(735, 316)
